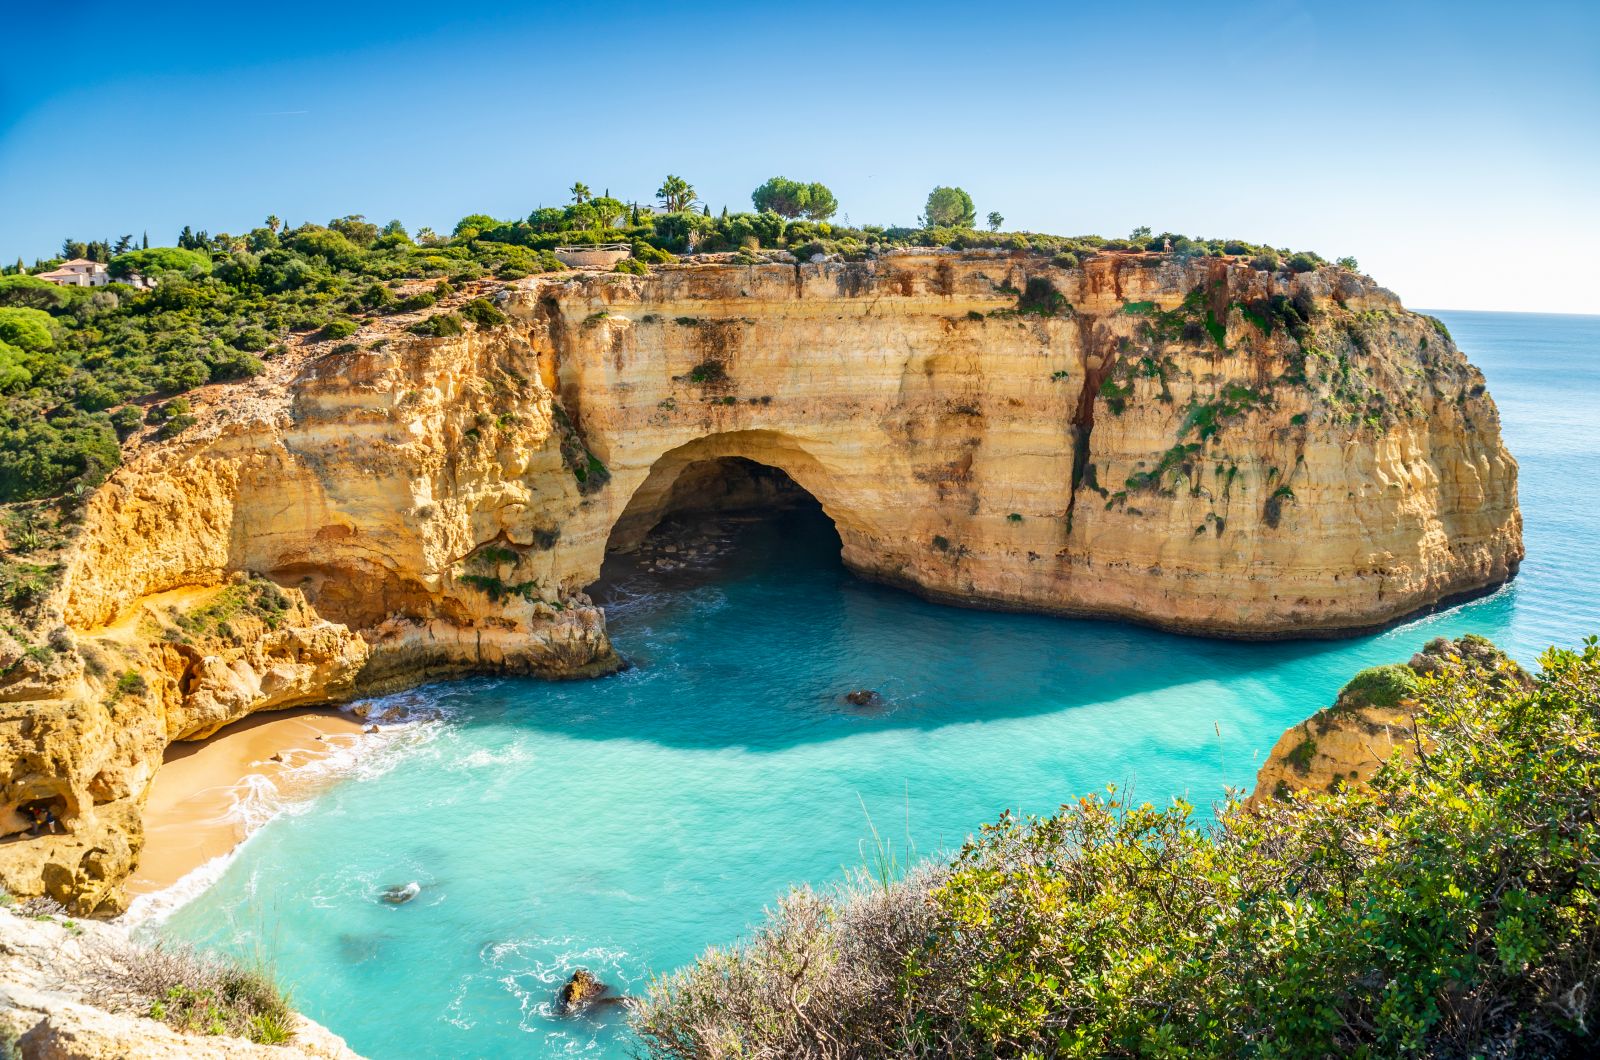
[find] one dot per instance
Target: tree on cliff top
(675, 193)
(949, 208)
(792, 198)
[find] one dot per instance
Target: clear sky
(1453, 148)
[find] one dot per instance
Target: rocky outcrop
(49, 1009)
(1373, 718)
(1189, 443)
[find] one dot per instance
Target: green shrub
(1380, 686)
(633, 266)
(1447, 908)
(178, 406)
(482, 312)
(191, 992)
(126, 420)
(341, 328)
(175, 426)
(157, 262)
(1302, 262)
(378, 298)
(708, 372)
(1041, 298)
(440, 325)
(420, 300)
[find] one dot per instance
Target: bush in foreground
(192, 992)
(1449, 908)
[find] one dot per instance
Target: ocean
(624, 824)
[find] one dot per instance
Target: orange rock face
(1191, 444)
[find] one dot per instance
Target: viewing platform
(593, 255)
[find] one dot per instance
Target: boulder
(580, 993)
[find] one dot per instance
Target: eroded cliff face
(1191, 444)
(1197, 445)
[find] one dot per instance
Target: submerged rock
(863, 697)
(400, 894)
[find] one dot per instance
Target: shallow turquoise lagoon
(625, 824)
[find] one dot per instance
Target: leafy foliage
(1448, 908)
(949, 208)
(1380, 686)
(192, 992)
(792, 198)
(72, 360)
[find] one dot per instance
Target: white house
(81, 272)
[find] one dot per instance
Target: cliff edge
(1190, 443)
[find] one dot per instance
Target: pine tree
(146, 241)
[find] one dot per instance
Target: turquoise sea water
(625, 824)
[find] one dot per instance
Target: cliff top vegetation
(81, 368)
(1451, 907)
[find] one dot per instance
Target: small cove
(624, 824)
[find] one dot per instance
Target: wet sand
(187, 819)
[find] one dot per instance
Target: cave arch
(730, 469)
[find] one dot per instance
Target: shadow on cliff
(759, 652)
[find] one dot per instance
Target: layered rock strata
(1192, 444)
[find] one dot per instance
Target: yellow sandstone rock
(1374, 716)
(1190, 444)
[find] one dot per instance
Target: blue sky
(1453, 148)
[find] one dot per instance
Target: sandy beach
(187, 819)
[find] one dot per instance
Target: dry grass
(191, 992)
(820, 979)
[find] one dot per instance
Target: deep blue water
(626, 823)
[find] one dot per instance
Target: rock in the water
(583, 991)
(370, 729)
(400, 894)
(863, 697)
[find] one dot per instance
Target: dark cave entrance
(711, 510)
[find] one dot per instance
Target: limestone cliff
(1189, 443)
(1373, 718)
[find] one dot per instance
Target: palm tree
(675, 193)
(581, 193)
(273, 223)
